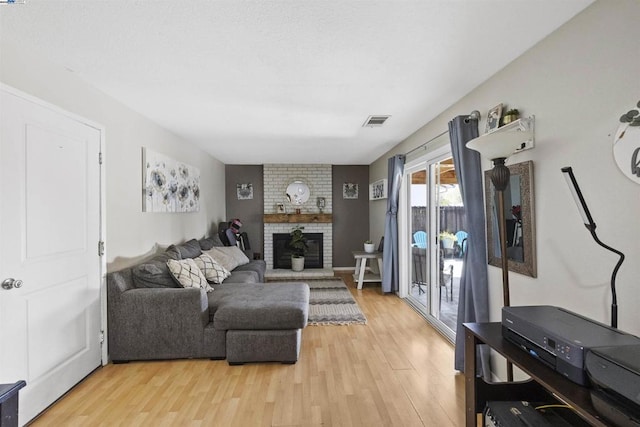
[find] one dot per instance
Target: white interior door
(49, 233)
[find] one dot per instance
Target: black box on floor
(516, 413)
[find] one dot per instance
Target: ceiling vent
(375, 121)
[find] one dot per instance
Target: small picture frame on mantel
(493, 118)
(378, 190)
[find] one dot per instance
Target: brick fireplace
(276, 180)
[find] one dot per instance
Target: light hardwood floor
(394, 371)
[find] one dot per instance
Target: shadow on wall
(120, 263)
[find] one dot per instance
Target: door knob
(11, 283)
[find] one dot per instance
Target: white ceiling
(257, 82)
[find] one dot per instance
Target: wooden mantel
(298, 218)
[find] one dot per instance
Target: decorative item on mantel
(297, 193)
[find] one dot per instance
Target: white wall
(577, 82)
(130, 232)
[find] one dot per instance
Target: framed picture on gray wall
(244, 191)
(349, 190)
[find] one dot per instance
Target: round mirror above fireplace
(298, 193)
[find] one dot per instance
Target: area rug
(331, 303)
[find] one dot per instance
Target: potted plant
(369, 247)
(298, 245)
(447, 239)
(510, 116)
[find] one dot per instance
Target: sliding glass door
(434, 222)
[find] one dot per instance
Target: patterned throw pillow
(228, 256)
(187, 273)
(212, 270)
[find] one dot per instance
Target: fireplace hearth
(282, 253)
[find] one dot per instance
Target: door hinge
(101, 337)
(100, 158)
(100, 248)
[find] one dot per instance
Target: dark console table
(9, 403)
(545, 383)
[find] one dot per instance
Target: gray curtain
(473, 303)
(390, 259)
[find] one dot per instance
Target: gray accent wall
(350, 216)
(249, 211)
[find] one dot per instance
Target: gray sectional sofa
(243, 319)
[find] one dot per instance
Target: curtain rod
(475, 114)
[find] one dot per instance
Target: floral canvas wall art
(169, 185)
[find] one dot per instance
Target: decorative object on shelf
(626, 144)
(244, 191)
(378, 190)
(280, 208)
(369, 247)
(493, 118)
(349, 190)
(299, 246)
(169, 185)
(510, 116)
(297, 193)
(591, 226)
(321, 203)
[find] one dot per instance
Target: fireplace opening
(282, 253)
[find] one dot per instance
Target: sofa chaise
(243, 319)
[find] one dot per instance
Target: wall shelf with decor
(297, 218)
(506, 135)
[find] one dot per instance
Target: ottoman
(262, 322)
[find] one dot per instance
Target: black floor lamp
(497, 147)
(591, 226)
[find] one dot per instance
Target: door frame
(102, 202)
(427, 158)
(403, 214)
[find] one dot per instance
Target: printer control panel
(559, 349)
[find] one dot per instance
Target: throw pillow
(212, 270)
(222, 257)
(187, 274)
(209, 242)
(237, 254)
(189, 249)
(154, 273)
(229, 256)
